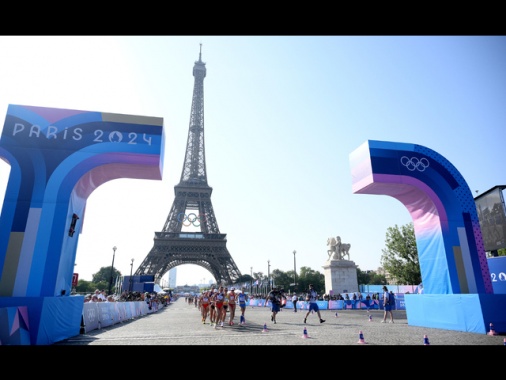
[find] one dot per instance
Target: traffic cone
(426, 341)
(370, 318)
(361, 338)
(265, 328)
(304, 335)
(492, 331)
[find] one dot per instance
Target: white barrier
(102, 314)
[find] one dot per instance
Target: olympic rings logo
(190, 219)
(90, 314)
(415, 163)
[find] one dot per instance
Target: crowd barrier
(102, 314)
(338, 305)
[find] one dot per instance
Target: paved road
(180, 324)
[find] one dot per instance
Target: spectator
(294, 301)
(99, 295)
(386, 307)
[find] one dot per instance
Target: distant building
(172, 278)
(187, 289)
(390, 279)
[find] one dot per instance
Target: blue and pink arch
(58, 157)
(457, 288)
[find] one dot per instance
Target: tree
(362, 277)
(282, 279)
(243, 278)
(400, 257)
(370, 277)
(103, 277)
(377, 279)
(83, 286)
(309, 276)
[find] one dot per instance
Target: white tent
(157, 288)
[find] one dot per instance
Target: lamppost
(294, 271)
(131, 279)
(112, 269)
(269, 274)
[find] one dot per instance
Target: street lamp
(112, 269)
(294, 271)
(269, 274)
(131, 279)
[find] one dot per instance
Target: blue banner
(497, 268)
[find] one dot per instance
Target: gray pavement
(180, 324)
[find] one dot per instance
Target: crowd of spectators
(356, 296)
(126, 296)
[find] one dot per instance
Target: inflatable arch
(58, 157)
(458, 292)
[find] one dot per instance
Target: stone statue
(337, 250)
(344, 248)
(331, 243)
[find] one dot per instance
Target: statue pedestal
(340, 276)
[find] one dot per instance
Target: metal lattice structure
(192, 203)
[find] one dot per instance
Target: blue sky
(282, 115)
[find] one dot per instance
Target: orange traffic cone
(361, 338)
(265, 328)
(304, 335)
(426, 341)
(492, 331)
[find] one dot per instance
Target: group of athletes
(215, 303)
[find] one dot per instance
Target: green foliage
(377, 279)
(362, 277)
(282, 279)
(400, 257)
(310, 276)
(104, 275)
(370, 277)
(84, 286)
(100, 280)
(285, 280)
(244, 278)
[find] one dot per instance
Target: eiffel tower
(192, 207)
